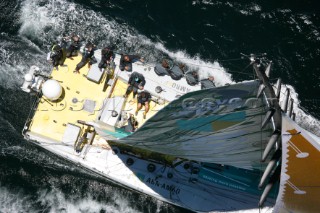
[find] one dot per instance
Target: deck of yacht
(83, 99)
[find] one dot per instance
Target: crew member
(56, 56)
(208, 83)
(87, 56)
(144, 99)
(74, 46)
(136, 81)
(192, 77)
(106, 57)
(127, 60)
(132, 124)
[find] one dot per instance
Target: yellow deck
(50, 118)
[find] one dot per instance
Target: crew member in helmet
(87, 57)
(144, 99)
(127, 60)
(136, 81)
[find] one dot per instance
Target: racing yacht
(224, 149)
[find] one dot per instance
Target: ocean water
(206, 34)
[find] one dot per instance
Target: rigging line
(232, 59)
(246, 67)
(236, 67)
(244, 73)
(206, 66)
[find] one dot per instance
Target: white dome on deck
(51, 89)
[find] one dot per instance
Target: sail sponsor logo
(213, 104)
(171, 188)
(221, 182)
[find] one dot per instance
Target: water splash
(304, 119)
(61, 17)
(55, 200)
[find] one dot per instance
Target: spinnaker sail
(219, 125)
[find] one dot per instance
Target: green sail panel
(219, 125)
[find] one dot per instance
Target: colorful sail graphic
(219, 125)
(300, 173)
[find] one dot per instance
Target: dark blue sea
(206, 34)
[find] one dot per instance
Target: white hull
(181, 190)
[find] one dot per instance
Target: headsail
(218, 125)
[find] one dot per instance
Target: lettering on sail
(171, 188)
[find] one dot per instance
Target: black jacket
(106, 53)
(132, 58)
(144, 99)
(137, 78)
